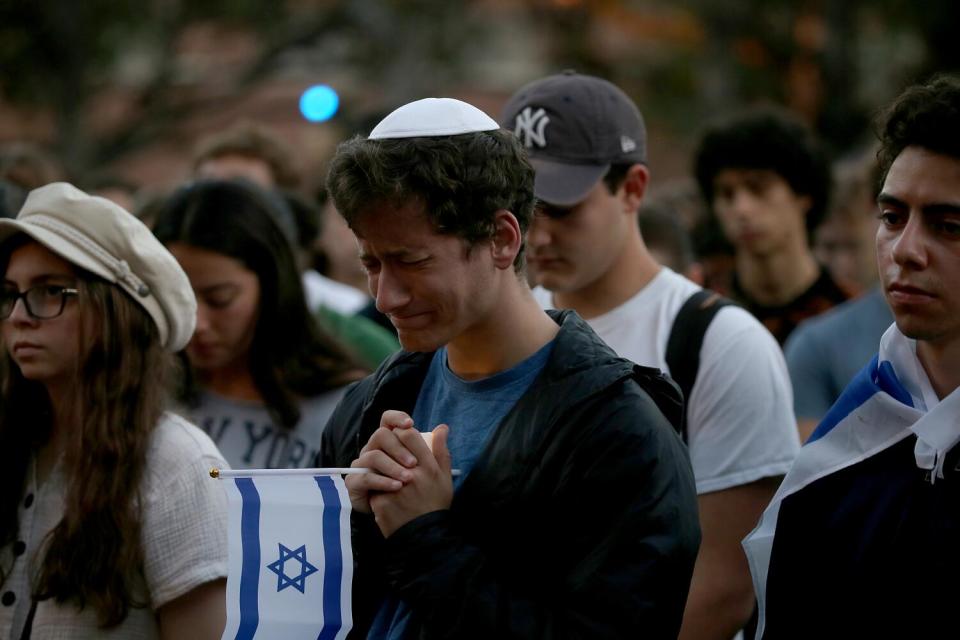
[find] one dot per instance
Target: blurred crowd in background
(131, 103)
(758, 118)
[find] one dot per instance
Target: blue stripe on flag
(332, 559)
(871, 379)
(250, 571)
(887, 380)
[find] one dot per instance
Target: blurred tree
(58, 54)
(831, 60)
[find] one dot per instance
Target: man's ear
(507, 239)
(634, 186)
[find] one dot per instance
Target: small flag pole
(217, 473)
(332, 471)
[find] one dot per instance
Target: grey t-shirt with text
(248, 438)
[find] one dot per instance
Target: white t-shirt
(342, 298)
(249, 439)
(740, 423)
(184, 538)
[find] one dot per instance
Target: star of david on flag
(290, 557)
(279, 568)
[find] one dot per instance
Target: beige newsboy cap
(97, 235)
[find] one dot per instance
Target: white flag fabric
(884, 404)
(291, 561)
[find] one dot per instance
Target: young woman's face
(45, 349)
(228, 301)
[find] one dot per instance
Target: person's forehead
(924, 176)
(235, 165)
(204, 265)
(382, 211)
(32, 258)
(733, 175)
(396, 227)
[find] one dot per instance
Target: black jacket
(579, 519)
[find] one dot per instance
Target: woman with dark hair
(109, 527)
(263, 378)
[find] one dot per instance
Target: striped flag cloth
(290, 558)
(883, 405)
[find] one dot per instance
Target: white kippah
(433, 117)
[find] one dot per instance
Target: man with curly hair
(861, 539)
(767, 181)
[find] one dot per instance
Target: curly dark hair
(924, 115)
(770, 139)
(462, 180)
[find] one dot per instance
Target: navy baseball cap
(574, 128)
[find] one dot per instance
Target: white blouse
(183, 536)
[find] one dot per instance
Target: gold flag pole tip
(214, 473)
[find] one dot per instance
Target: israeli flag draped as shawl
(290, 558)
(885, 403)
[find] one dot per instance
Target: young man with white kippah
(861, 539)
(573, 513)
(586, 139)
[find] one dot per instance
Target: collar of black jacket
(581, 363)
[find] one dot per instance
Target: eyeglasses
(43, 302)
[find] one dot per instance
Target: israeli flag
(291, 562)
(885, 403)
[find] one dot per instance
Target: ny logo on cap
(530, 126)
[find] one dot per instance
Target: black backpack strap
(686, 338)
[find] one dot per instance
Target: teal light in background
(319, 103)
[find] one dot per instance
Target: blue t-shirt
(472, 409)
(826, 352)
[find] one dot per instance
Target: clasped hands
(406, 478)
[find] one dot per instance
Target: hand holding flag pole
(290, 550)
(328, 471)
